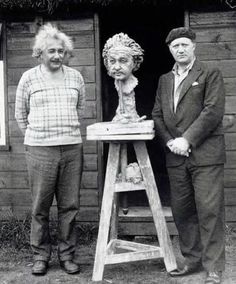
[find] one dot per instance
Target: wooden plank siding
(216, 45)
(15, 195)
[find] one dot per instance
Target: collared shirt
(178, 81)
(49, 112)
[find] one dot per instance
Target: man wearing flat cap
(188, 113)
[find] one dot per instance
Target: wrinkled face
(182, 49)
(120, 64)
(53, 55)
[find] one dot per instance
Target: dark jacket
(198, 116)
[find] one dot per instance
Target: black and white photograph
(117, 141)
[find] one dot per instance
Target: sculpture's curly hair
(122, 39)
(50, 31)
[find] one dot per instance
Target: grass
(230, 232)
(15, 233)
(16, 258)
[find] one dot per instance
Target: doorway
(148, 26)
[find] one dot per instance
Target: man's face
(120, 64)
(182, 49)
(52, 57)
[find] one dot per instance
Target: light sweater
(47, 112)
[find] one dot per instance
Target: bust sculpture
(122, 56)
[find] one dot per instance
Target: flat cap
(180, 32)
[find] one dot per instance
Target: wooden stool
(107, 242)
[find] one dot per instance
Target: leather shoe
(213, 277)
(40, 267)
(70, 267)
(187, 269)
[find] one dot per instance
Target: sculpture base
(112, 131)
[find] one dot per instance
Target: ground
(15, 268)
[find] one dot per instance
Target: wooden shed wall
(14, 192)
(216, 45)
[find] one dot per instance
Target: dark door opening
(149, 27)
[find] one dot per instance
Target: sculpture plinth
(115, 131)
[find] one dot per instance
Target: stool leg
(123, 164)
(114, 217)
(155, 205)
(106, 210)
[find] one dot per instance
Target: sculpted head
(122, 55)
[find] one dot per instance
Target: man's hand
(179, 146)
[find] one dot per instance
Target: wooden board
(22, 197)
(21, 28)
(90, 162)
(89, 180)
(230, 105)
(215, 33)
(143, 228)
(116, 128)
(81, 39)
(229, 123)
(218, 50)
(82, 56)
(230, 86)
(216, 41)
(131, 137)
(227, 67)
(142, 213)
(82, 24)
(230, 160)
(230, 196)
(90, 90)
(212, 19)
(230, 178)
(89, 197)
(14, 162)
(121, 131)
(15, 180)
(19, 42)
(230, 141)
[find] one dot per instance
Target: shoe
(213, 277)
(40, 267)
(187, 269)
(70, 267)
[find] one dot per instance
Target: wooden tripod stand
(107, 242)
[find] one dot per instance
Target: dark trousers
(54, 171)
(197, 200)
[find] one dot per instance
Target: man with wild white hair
(49, 104)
